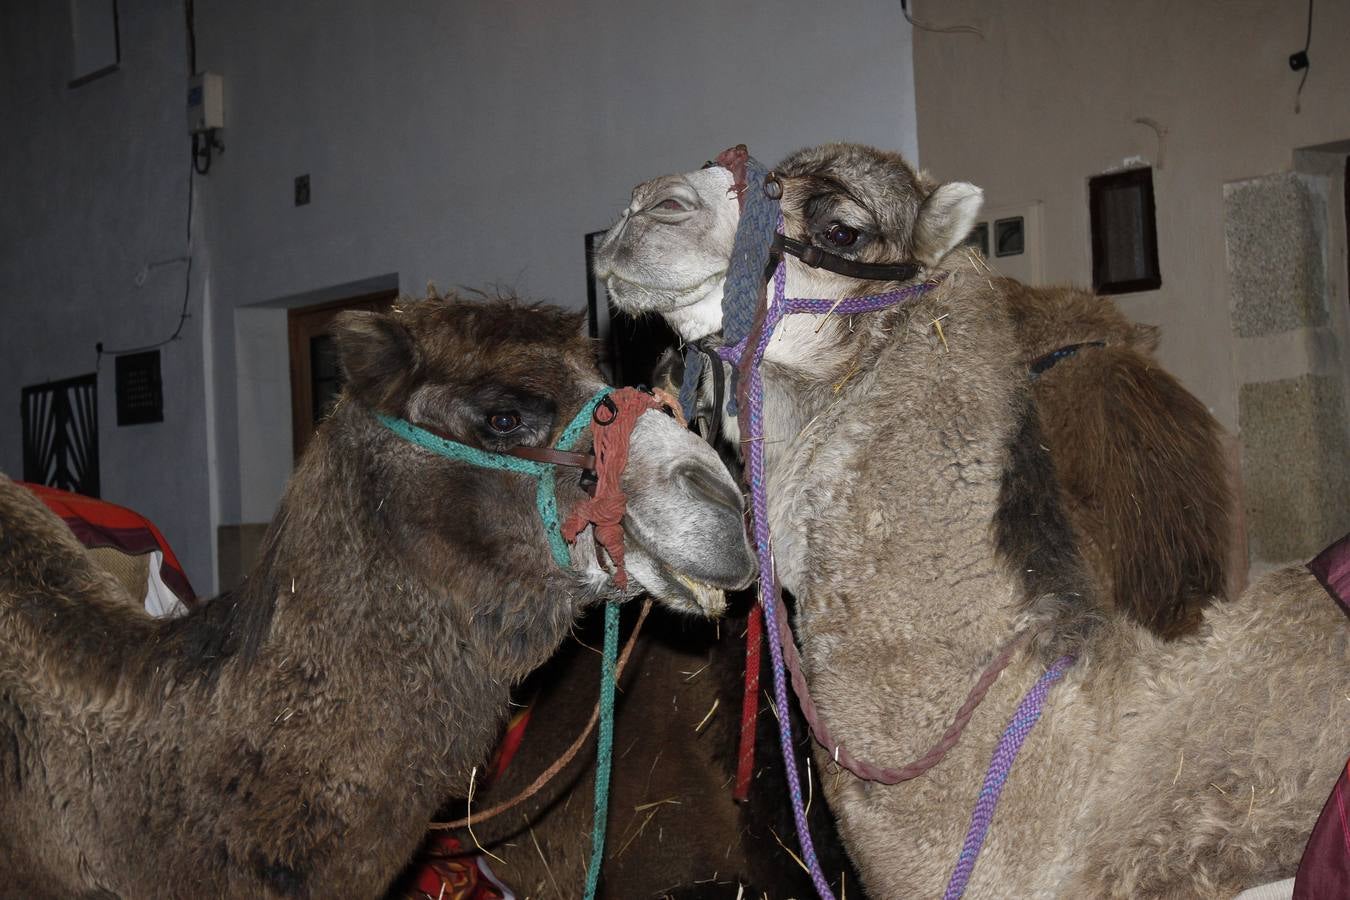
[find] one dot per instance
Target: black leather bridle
(817, 258)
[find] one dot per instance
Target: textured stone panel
(1296, 466)
(1273, 231)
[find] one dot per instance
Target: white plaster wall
(1048, 97)
(475, 143)
(469, 143)
(93, 185)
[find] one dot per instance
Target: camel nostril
(711, 485)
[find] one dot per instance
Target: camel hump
(1140, 460)
(37, 550)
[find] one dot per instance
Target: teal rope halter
(546, 499)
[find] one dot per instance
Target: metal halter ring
(773, 188)
(606, 403)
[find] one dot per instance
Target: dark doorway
(628, 346)
(316, 376)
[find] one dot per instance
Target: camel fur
(917, 519)
(1125, 434)
(294, 737)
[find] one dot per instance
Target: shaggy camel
(1124, 434)
(917, 519)
(295, 737)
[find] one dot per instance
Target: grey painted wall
(476, 143)
(467, 143)
(94, 186)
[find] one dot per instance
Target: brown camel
(918, 520)
(293, 738)
(675, 831)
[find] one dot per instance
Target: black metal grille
(60, 434)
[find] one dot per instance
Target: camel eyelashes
(504, 422)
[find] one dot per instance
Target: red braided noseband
(612, 426)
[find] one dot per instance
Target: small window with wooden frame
(316, 374)
(1124, 232)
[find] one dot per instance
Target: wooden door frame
(302, 324)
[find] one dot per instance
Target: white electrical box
(205, 103)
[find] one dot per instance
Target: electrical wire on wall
(1300, 61)
(939, 29)
(183, 314)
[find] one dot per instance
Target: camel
(1125, 435)
(294, 738)
(674, 828)
(918, 520)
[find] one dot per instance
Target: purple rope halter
(768, 578)
(1028, 711)
(1005, 754)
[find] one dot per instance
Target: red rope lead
(613, 424)
(745, 761)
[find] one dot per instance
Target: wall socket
(301, 190)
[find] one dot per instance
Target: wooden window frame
(1141, 179)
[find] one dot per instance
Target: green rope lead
(604, 749)
(547, 501)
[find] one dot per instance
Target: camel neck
(345, 608)
(910, 455)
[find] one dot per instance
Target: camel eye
(504, 422)
(841, 235)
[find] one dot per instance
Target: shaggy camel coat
(1182, 769)
(293, 738)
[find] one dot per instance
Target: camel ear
(945, 219)
(379, 357)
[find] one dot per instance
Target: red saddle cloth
(97, 523)
(1324, 870)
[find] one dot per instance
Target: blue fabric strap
(745, 271)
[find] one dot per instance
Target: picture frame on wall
(95, 41)
(1124, 232)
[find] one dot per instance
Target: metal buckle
(606, 403)
(773, 188)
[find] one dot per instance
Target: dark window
(979, 238)
(325, 372)
(1124, 232)
(60, 434)
(140, 390)
(1010, 237)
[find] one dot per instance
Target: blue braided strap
(693, 368)
(546, 495)
(745, 270)
(1028, 713)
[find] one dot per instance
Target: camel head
(668, 252)
(498, 375)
